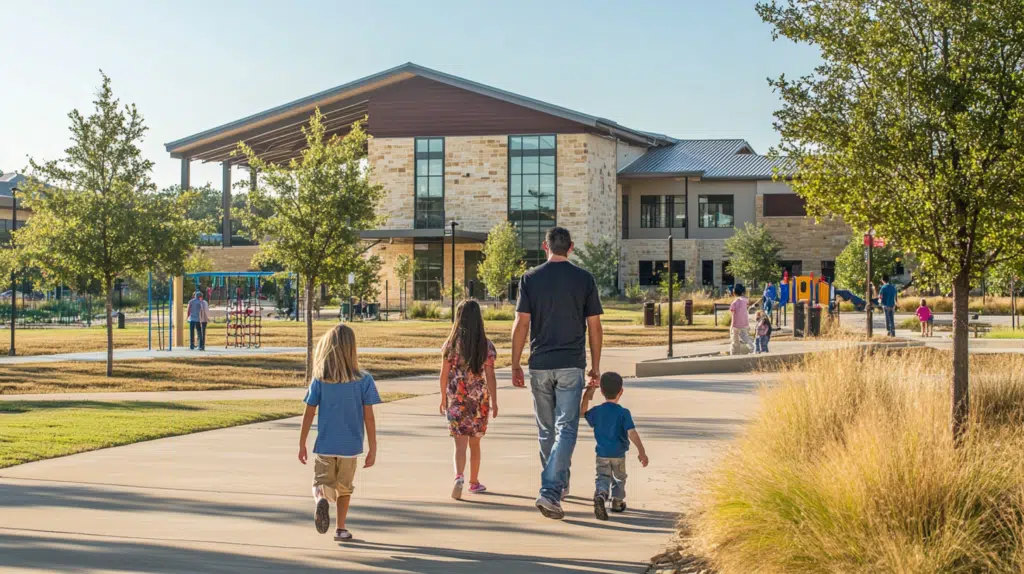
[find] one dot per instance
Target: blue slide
(846, 295)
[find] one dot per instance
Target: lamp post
(14, 272)
(671, 279)
(869, 242)
(453, 270)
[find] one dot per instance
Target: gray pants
(611, 475)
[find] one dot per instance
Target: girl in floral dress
(468, 391)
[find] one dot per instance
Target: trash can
(649, 314)
(814, 321)
(346, 309)
(373, 310)
(799, 318)
(688, 311)
(120, 320)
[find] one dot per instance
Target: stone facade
(571, 183)
(392, 160)
(389, 253)
(476, 181)
(237, 258)
(804, 239)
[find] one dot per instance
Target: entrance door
(474, 288)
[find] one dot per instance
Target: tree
(677, 285)
(99, 217)
(602, 260)
(754, 255)
(311, 210)
(851, 268)
(366, 272)
(405, 267)
(198, 262)
(912, 124)
(503, 259)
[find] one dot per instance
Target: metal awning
(460, 235)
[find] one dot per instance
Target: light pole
(453, 270)
(869, 241)
(671, 279)
(14, 272)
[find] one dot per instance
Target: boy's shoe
(550, 509)
(618, 505)
(322, 516)
(600, 511)
(342, 535)
(457, 488)
(477, 488)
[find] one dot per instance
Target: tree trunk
(309, 328)
(109, 289)
(960, 392)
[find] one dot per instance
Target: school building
(448, 149)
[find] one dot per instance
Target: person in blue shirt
(613, 430)
(887, 297)
(768, 298)
(344, 396)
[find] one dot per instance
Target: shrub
(423, 310)
(636, 293)
(850, 467)
(503, 313)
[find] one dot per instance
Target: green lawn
(1005, 333)
(36, 430)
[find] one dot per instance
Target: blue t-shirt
(611, 423)
(339, 421)
(888, 295)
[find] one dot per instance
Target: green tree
(99, 216)
(503, 259)
(405, 267)
(204, 205)
(677, 286)
(754, 255)
(602, 260)
(912, 124)
(312, 210)
(366, 272)
(198, 262)
(851, 268)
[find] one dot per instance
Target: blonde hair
(334, 359)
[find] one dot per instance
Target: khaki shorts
(334, 474)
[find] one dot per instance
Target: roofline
(661, 174)
(415, 69)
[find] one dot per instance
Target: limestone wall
(804, 239)
(392, 160)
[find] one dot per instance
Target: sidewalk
(236, 500)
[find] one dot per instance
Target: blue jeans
(556, 404)
(890, 321)
(766, 306)
(761, 343)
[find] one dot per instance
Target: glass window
(715, 211)
(727, 278)
(429, 258)
(429, 188)
(651, 272)
(532, 193)
(707, 273)
(658, 211)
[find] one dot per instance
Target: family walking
(557, 312)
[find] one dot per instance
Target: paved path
(236, 500)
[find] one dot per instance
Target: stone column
(226, 203)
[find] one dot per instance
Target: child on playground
(924, 314)
(469, 391)
(613, 430)
(739, 333)
(344, 396)
(762, 332)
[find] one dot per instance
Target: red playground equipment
(245, 317)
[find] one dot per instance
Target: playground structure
(241, 295)
(809, 294)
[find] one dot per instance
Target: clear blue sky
(687, 68)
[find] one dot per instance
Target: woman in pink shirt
(924, 314)
(739, 333)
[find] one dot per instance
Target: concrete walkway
(236, 500)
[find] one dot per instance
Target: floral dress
(469, 402)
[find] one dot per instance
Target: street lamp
(14, 272)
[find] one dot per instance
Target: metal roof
(181, 147)
(707, 159)
(8, 181)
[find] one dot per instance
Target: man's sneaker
(342, 535)
(477, 488)
(618, 505)
(600, 511)
(457, 488)
(322, 516)
(550, 509)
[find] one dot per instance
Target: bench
(972, 325)
(719, 307)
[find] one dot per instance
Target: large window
(651, 272)
(707, 273)
(715, 211)
(429, 183)
(531, 191)
(662, 211)
(426, 280)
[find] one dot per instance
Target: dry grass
(195, 374)
(850, 468)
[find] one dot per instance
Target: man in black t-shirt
(558, 306)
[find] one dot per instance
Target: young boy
(613, 429)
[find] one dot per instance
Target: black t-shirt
(559, 297)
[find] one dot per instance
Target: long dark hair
(467, 337)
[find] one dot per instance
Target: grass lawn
(36, 430)
(195, 374)
(1004, 333)
(621, 330)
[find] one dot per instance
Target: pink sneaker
(477, 488)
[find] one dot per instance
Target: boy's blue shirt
(611, 423)
(339, 422)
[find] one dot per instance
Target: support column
(178, 309)
(226, 203)
(186, 182)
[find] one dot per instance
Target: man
(887, 297)
(558, 307)
(198, 316)
(768, 298)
